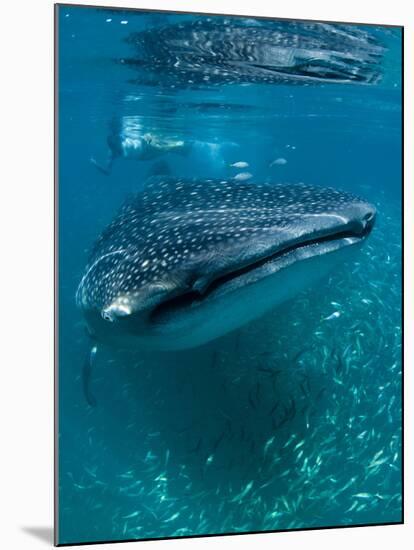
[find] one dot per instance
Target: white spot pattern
(176, 230)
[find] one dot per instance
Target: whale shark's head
(186, 261)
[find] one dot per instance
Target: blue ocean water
(292, 422)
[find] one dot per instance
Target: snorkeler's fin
(107, 169)
(86, 375)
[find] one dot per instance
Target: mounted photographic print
(228, 274)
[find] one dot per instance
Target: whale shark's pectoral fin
(86, 375)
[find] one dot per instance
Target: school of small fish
(292, 422)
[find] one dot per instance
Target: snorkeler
(131, 145)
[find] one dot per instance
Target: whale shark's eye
(369, 217)
(116, 310)
(107, 316)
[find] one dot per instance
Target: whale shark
(216, 51)
(185, 261)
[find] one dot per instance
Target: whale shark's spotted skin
(221, 50)
(182, 236)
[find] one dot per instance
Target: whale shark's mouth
(263, 267)
(321, 70)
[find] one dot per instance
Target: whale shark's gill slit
(193, 297)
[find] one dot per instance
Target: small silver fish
(241, 495)
(240, 164)
(280, 161)
(172, 518)
(243, 176)
(267, 445)
(133, 515)
(334, 315)
(209, 460)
